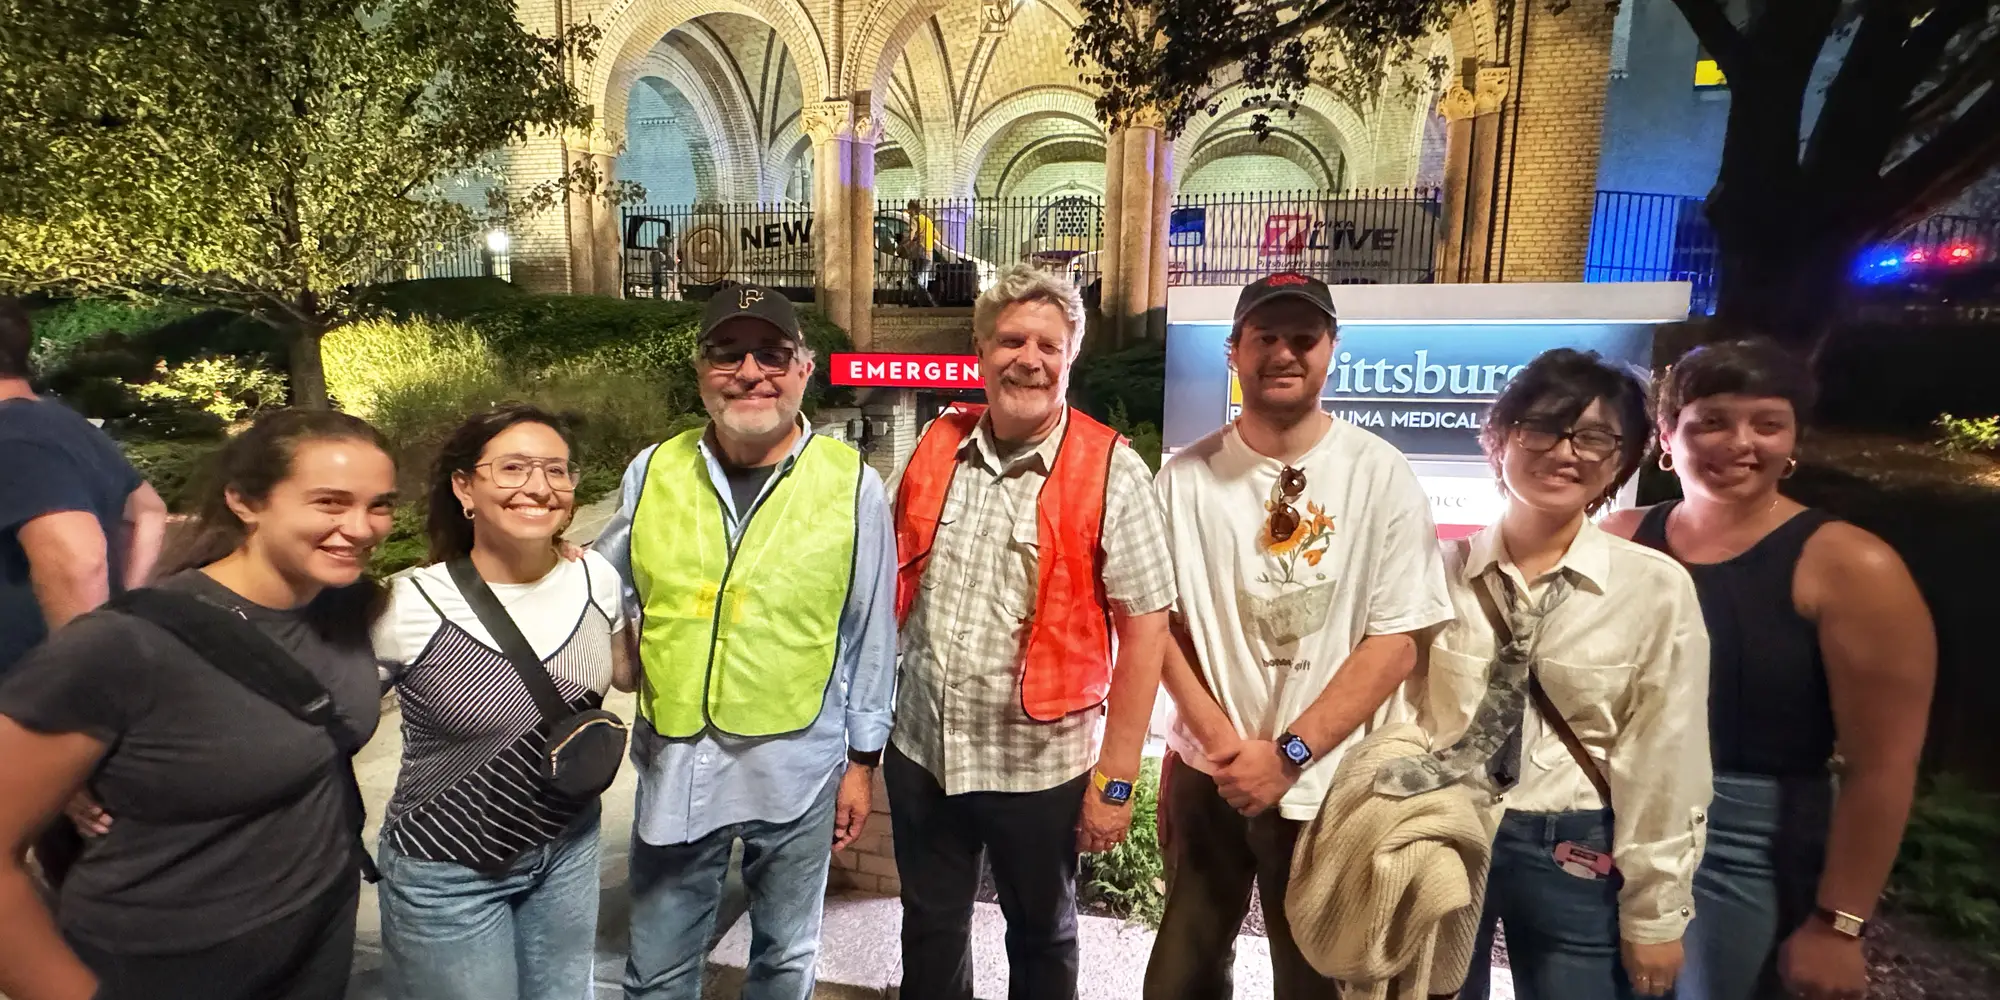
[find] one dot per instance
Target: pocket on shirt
(1453, 689)
(1016, 592)
(1592, 697)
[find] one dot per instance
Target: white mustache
(1031, 379)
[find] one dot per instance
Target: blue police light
(1880, 265)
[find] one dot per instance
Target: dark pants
(303, 956)
(1030, 840)
(1216, 853)
(1562, 930)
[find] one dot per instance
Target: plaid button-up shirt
(958, 705)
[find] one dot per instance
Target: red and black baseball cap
(1286, 285)
(756, 302)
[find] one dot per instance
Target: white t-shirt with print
(1273, 624)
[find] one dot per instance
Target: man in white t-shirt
(1307, 567)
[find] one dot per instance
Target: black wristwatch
(865, 758)
(1295, 750)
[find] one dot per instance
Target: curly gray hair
(1027, 283)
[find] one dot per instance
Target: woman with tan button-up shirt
(1598, 830)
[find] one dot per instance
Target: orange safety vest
(1068, 662)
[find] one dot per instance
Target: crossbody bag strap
(237, 648)
(500, 625)
(1551, 715)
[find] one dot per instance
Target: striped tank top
(468, 791)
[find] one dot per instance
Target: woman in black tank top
(1819, 640)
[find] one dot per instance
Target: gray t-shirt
(226, 815)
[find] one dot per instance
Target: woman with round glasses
(1821, 640)
(489, 873)
(1567, 693)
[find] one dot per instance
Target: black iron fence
(1357, 237)
(947, 250)
(685, 251)
(474, 256)
(1636, 236)
(944, 252)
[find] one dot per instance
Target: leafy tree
(272, 156)
(1908, 119)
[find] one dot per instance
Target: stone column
(1138, 188)
(1475, 120)
(829, 123)
(860, 195)
(844, 211)
(607, 237)
(580, 213)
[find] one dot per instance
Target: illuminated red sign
(908, 371)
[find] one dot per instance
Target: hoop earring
(1666, 461)
(1791, 466)
(468, 513)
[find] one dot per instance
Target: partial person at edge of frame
(231, 868)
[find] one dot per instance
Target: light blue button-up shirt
(690, 788)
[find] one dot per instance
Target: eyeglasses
(775, 359)
(511, 472)
(1284, 519)
(1592, 444)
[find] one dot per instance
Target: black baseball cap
(751, 302)
(1286, 285)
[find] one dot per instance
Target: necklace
(1676, 513)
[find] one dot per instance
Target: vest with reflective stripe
(1068, 657)
(742, 638)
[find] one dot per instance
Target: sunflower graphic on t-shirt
(1299, 553)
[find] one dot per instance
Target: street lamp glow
(496, 240)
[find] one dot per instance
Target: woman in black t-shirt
(229, 868)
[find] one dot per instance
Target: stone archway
(1321, 170)
(633, 27)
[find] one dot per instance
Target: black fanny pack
(584, 748)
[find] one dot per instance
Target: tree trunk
(307, 371)
(1783, 284)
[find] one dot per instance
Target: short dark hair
(1754, 367)
(445, 523)
(1558, 386)
(17, 339)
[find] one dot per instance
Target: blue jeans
(676, 890)
(1757, 883)
(451, 932)
(1562, 931)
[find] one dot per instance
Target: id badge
(1581, 861)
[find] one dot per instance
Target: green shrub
(1130, 879)
(1145, 437)
(442, 298)
(1968, 434)
(223, 386)
(406, 545)
(1946, 868)
(63, 328)
(175, 468)
(1135, 378)
(381, 364)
